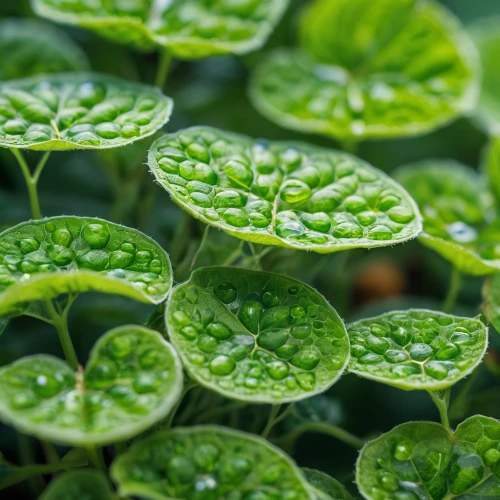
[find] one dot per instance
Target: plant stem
(31, 180)
(50, 452)
(168, 421)
(27, 457)
(442, 400)
(453, 290)
(163, 68)
(96, 458)
(271, 421)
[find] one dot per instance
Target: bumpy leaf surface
(370, 70)
(190, 29)
(423, 461)
(132, 380)
(325, 487)
(208, 462)
(416, 349)
(256, 336)
(78, 111)
(81, 485)
(458, 212)
(491, 301)
(287, 194)
(30, 47)
(50, 257)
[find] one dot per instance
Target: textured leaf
(256, 336)
(370, 70)
(491, 301)
(82, 485)
(78, 111)
(287, 194)
(459, 219)
(190, 29)
(416, 349)
(325, 487)
(208, 462)
(50, 257)
(132, 380)
(30, 47)
(423, 461)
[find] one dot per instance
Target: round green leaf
(256, 336)
(491, 301)
(207, 462)
(458, 212)
(288, 194)
(190, 29)
(370, 70)
(324, 486)
(132, 380)
(30, 47)
(423, 461)
(79, 484)
(50, 257)
(416, 349)
(78, 111)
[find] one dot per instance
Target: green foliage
(370, 70)
(422, 460)
(47, 258)
(491, 300)
(132, 380)
(491, 166)
(189, 462)
(78, 111)
(287, 194)
(255, 336)
(325, 487)
(189, 29)
(84, 484)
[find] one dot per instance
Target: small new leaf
(83, 484)
(132, 380)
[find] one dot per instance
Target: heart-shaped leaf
(208, 462)
(370, 70)
(324, 486)
(30, 47)
(287, 194)
(256, 336)
(132, 380)
(423, 461)
(491, 300)
(416, 349)
(78, 111)
(190, 29)
(50, 257)
(458, 212)
(81, 485)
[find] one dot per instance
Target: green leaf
(78, 111)
(30, 47)
(491, 166)
(458, 212)
(189, 29)
(256, 336)
(204, 462)
(416, 349)
(83, 485)
(288, 194)
(423, 461)
(491, 300)
(132, 380)
(50, 257)
(324, 486)
(370, 70)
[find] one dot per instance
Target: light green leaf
(189, 29)
(132, 380)
(458, 211)
(324, 486)
(30, 47)
(256, 336)
(50, 257)
(78, 111)
(288, 194)
(423, 461)
(491, 300)
(81, 485)
(416, 349)
(491, 166)
(370, 70)
(199, 461)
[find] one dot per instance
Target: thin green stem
(27, 457)
(442, 400)
(31, 184)
(39, 168)
(50, 452)
(271, 421)
(168, 421)
(453, 290)
(96, 458)
(163, 68)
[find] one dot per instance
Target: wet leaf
(324, 486)
(287, 194)
(83, 484)
(132, 380)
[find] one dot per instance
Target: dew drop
(226, 292)
(219, 331)
(222, 365)
(420, 352)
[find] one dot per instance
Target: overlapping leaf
(287, 194)
(325, 487)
